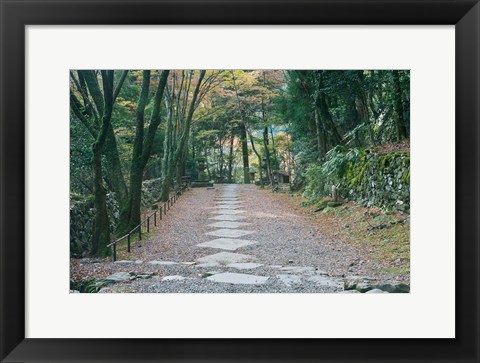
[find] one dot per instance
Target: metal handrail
(163, 210)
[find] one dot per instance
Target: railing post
(140, 232)
(114, 251)
(155, 218)
(148, 224)
(165, 208)
(161, 213)
(128, 239)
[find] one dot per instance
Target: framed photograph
(240, 181)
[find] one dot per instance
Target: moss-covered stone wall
(379, 180)
(366, 177)
(82, 215)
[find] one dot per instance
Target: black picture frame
(15, 15)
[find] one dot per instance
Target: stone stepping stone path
(229, 232)
(326, 281)
(224, 258)
(231, 258)
(126, 262)
(228, 206)
(119, 277)
(228, 211)
(229, 244)
(244, 265)
(227, 224)
(236, 278)
(225, 267)
(227, 217)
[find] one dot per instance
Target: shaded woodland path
(233, 238)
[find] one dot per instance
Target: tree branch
(119, 85)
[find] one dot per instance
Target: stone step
(229, 244)
(229, 233)
(238, 278)
(227, 224)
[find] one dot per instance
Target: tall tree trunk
(193, 150)
(188, 122)
(87, 82)
(274, 150)
(259, 159)
(328, 120)
(205, 155)
(129, 217)
(243, 136)
(114, 167)
(352, 114)
(230, 158)
(398, 105)
(265, 138)
(101, 225)
(167, 149)
(320, 141)
(319, 98)
(244, 141)
(179, 149)
(181, 167)
(142, 148)
(221, 161)
(363, 106)
(267, 155)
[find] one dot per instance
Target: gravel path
(234, 238)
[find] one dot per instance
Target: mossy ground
(122, 246)
(385, 234)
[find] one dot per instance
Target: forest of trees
(129, 126)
